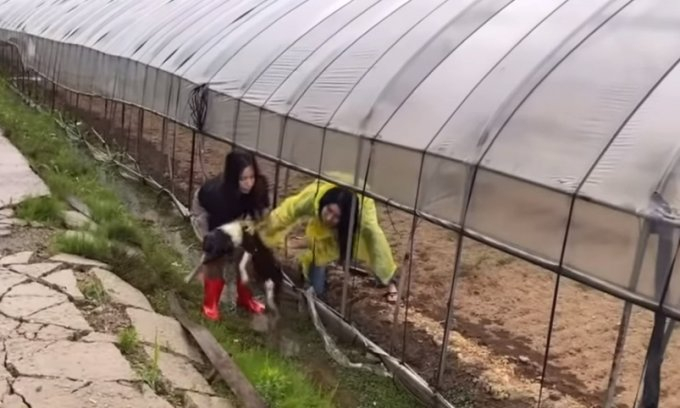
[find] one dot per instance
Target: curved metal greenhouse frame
(545, 128)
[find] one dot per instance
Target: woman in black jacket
(241, 191)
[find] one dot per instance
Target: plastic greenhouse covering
(546, 127)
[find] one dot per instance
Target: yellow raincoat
(373, 248)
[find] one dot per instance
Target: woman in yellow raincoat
(327, 208)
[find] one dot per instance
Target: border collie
(234, 241)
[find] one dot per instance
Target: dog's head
(222, 241)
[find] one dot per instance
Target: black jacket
(225, 206)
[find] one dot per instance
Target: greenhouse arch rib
(412, 91)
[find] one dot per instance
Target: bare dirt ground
(501, 304)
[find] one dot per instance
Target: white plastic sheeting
(543, 126)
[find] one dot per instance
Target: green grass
(128, 341)
(70, 171)
(46, 210)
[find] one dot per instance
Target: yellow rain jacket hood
(373, 248)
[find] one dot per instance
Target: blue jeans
(317, 278)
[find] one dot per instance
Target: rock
(7, 327)
(12, 221)
(170, 333)
(27, 330)
(18, 181)
(68, 359)
(13, 401)
(524, 359)
(24, 300)
(77, 260)
(120, 291)
(5, 232)
(179, 372)
(97, 337)
(9, 279)
(7, 213)
(195, 400)
(47, 393)
(35, 270)
(66, 280)
(51, 332)
(18, 258)
(76, 220)
(64, 314)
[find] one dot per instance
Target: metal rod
(191, 165)
(140, 130)
(348, 257)
(610, 399)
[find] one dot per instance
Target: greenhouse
(546, 129)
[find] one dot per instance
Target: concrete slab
(10, 222)
(77, 260)
(179, 372)
(13, 401)
(170, 333)
(66, 280)
(7, 326)
(50, 393)
(97, 337)
(68, 359)
(18, 258)
(51, 332)
(17, 181)
(9, 279)
(195, 400)
(120, 291)
(27, 299)
(64, 314)
(35, 270)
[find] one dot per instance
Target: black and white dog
(235, 242)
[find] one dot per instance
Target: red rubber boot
(245, 299)
(212, 290)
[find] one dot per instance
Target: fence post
(191, 166)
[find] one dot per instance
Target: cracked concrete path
(51, 352)
(17, 181)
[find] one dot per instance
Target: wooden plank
(219, 358)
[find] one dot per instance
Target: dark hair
(234, 164)
(344, 199)
(258, 199)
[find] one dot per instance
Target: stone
(13, 401)
(13, 221)
(120, 291)
(51, 332)
(7, 326)
(18, 181)
(7, 213)
(97, 337)
(68, 359)
(24, 300)
(64, 314)
(8, 280)
(5, 232)
(170, 333)
(18, 258)
(27, 330)
(50, 393)
(75, 220)
(195, 400)
(179, 372)
(35, 270)
(77, 260)
(66, 280)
